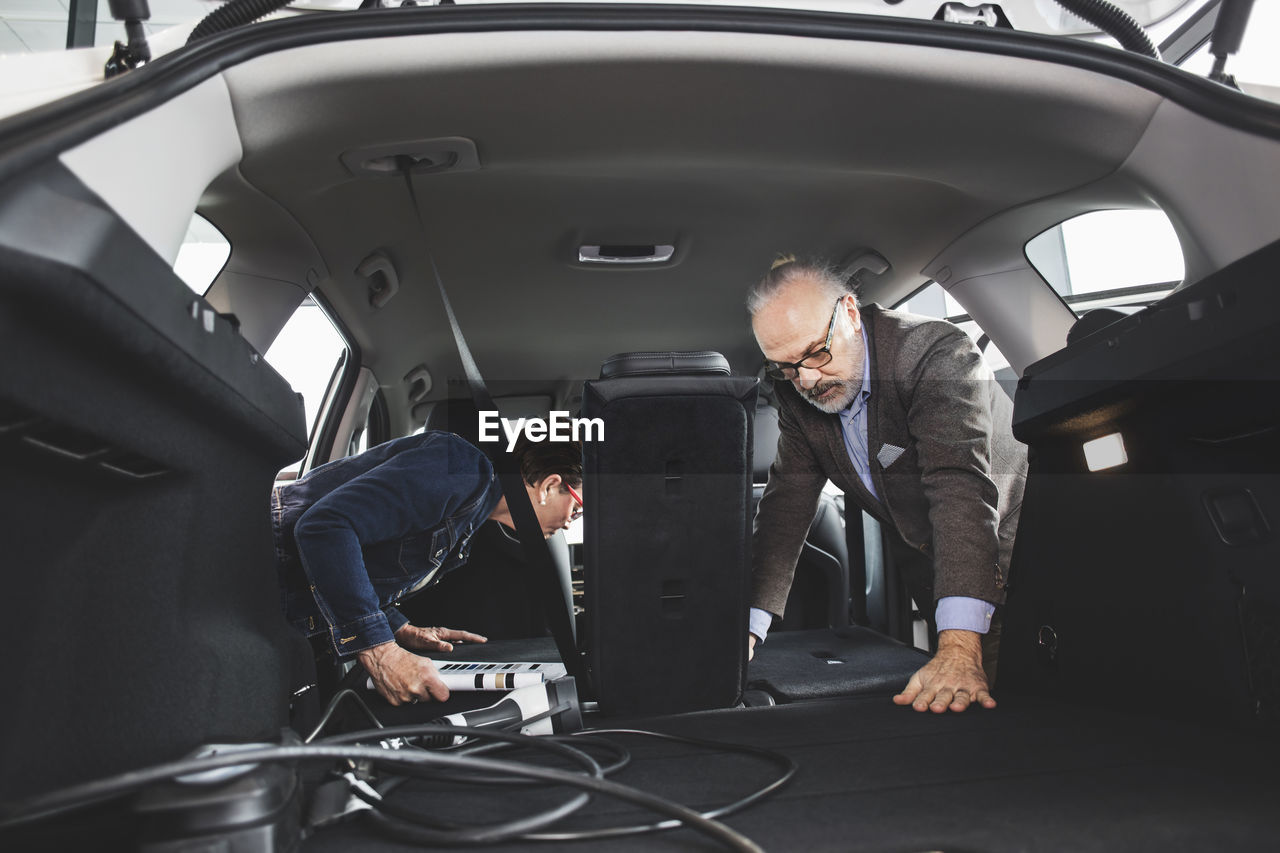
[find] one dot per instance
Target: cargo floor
(1027, 775)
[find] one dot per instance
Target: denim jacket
(356, 535)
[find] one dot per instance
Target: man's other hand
(434, 639)
(952, 679)
(402, 677)
(751, 646)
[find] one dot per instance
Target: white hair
(786, 270)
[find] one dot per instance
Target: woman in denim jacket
(356, 535)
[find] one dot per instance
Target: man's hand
(953, 679)
(434, 639)
(751, 646)
(401, 676)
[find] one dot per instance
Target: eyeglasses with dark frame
(818, 358)
(577, 513)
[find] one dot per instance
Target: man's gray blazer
(942, 455)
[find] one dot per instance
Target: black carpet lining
(1028, 775)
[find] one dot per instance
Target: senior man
(902, 413)
(357, 535)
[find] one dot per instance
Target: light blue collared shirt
(953, 611)
(853, 423)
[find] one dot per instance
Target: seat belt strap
(532, 542)
(856, 547)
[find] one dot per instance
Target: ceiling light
(1105, 452)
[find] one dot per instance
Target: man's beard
(842, 394)
(843, 391)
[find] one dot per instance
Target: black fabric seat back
(139, 438)
(819, 596)
(666, 539)
(1162, 570)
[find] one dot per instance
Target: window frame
(322, 432)
(1069, 300)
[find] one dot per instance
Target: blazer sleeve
(949, 399)
(786, 510)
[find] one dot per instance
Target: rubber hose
(1115, 22)
(234, 14)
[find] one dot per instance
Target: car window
(306, 353)
(934, 301)
(202, 255)
(1109, 258)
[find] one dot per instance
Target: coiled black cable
(409, 825)
(79, 796)
(621, 755)
(1115, 22)
(333, 707)
(234, 14)
(492, 832)
(788, 765)
(462, 765)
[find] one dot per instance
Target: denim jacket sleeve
(395, 619)
(408, 493)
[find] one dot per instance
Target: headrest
(767, 432)
(1095, 320)
(664, 363)
(455, 415)
(459, 414)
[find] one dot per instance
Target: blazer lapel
(866, 500)
(876, 404)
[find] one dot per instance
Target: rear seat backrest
(820, 592)
(666, 532)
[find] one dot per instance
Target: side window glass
(305, 353)
(934, 301)
(202, 255)
(1109, 258)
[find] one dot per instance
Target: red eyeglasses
(577, 513)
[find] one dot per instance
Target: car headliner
(731, 146)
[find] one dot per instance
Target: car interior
(593, 189)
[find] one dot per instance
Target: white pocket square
(889, 454)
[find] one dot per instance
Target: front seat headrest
(664, 363)
(458, 416)
(1093, 321)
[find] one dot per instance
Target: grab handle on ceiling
(384, 281)
(625, 254)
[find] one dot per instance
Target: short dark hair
(541, 459)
